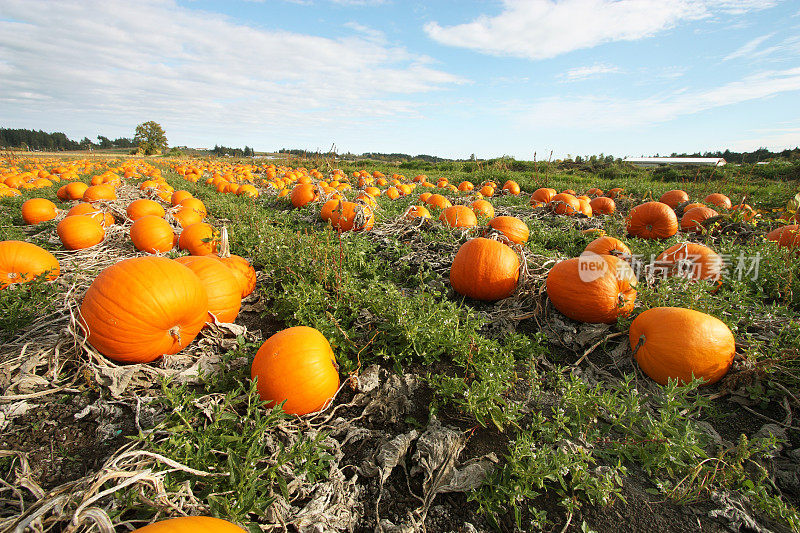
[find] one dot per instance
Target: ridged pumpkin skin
(191, 524)
(193, 239)
(296, 365)
(786, 236)
(543, 195)
(139, 309)
(243, 271)
(196, 205)
(607, 245)
(178, 196)
(223, 290)
(719, 200)
(352, 216)
(80, 231)
(302, 194)
(652, 220)
(513, 228)
(84, 208)
(186, 216)
(143, 207)
(592, 288)
(602, 205)
(674, 198)
(22, 261)
(692, 260)
(565, 204)
(75, 190)
(458, 216)
(38, 210)
(438, 201)
(484, 269)
(418, 211)
(692, 220)
(482, 208)
(152, 234)
(676, 343)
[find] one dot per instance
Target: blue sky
(448, 78)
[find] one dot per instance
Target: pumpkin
(465, 186)
(513, 228)
(329, 206)
(458, 216)
(692, 219)
(424, 197)
(691, 206)
(512, 187)
(438, 201)
(152, 234)
(569, 191)
(21, 262)
(602, 205)
(652, 220)
(186, 216)
(296, 365)
(676, 343)
(606, 245)
(80, 231)
(594, 191)
(178, 196)
(351, 216)
(786, 236)
(585, 207)
(191, 524)
(103, 217)
(196, 205)
(483, 208)
(691, 260)
(141, 308)
(719, 200)
(302, 194)
(748, 213)
(487, 190)
(142, 207)
(38, 210)
(616, 191)
(241, 269)
(96, 193)
(223, 290)
(592, 288)
(485, 269)
(75, 190)
(543, 195)
(198, 239)
(674, 198)
(565, 204)
(417, 211)
(392, 193)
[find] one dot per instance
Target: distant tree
(104, 142)
(150, 138)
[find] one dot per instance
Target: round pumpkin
(84, 208)
(141, 308)
(594, 191)
(417, 211)
(676, 343)
(75, 190)
(458, 216)
(652, 220)
(352, 216)
(438, 201)
(143, 207)
(512, 187)
(592, 288)
(96, 193)
(602, 205)
(223, 290)
(178, 196)
(186, 216)
(482, 208)
(747, 212)
(240, 267)
(191, 524)
(692, 219)
(152, 234)
(38, 210)
(674, 198)
(22, 261)
(196, 205)
(465, 186)
(616, 191)
(297, 366)
(80, 231)
(302, 194)
(513, 228)
(585, 206)
(198, 239)
(692, 260)
(543, 195)
(606, 245)
(719, 200)
(786, 236)
(565, 204)
(484, 269)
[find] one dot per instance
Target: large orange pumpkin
(484, 269)
(719, 200)
(84, 208)
(179, 196)
(296, 365)
(607, 245)
(458, 216)
(482, 208)
(592, 288)
(191, 524)
(80, 231)
(198, 239)
(565, 204)
(438, 201)
(602, 205)
(143, 207)
(674, 198)
(513, 228)
(139, 309)
(152, 234)
(241, 269)
(352, 216)
(652, 220)
(196, 205)
(75, 190)
(223, 290)
(303, 193)
(38, 210)
(22, 261)
(543, 195)
(676, 343)
(692, 219)
(186, 216)
(691, 260)
(96, 193)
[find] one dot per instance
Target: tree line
(25, 139)
(235, 152)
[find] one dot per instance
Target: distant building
(662, 161)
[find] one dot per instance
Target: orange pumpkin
(351, 216)
(616, 191)
(484, 269)
(38, 210)
(605, 245)
(142, 207)
(103, 217)
(392, 193)
(96, 193)
(483, 208)
(543, 195)
(196, 205)
(565, 204)
(80, 231)
(329, 206)
(592, 288)
(719, 200)
(417, 211)
(487, 190)
(186, 216)
(152, 234)
(691, 260)
(748, 213)
(691, 206)
(786, 236)
(465, 186)
(704, 346)
(139, 309)
(652, 220)
(178, 196)
(512, 187)
(438, 201)
(674, 198)
(602, 205)
(513, 228)
(240, 267)
(692, 219)
(21, 262)
(585, 207)
(297, 366)
(223, 290)
(302, 194)
(594, 191)
(191, 524)
(75, 190)
(458, 216)
(198, 239)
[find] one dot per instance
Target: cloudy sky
(446, 77)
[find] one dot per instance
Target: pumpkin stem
(224, 244)
(175, 333)
(639, 344)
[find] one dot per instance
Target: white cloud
(748, 48)
(583, 73)
(608, 113)
(776, 139)
(119, 63)
(541, 29)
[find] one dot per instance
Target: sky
(450, 77)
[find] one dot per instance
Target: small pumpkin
(75, 190)
(143, 207)
(674, 198)
(607, 245)
(512, 187)
(719, 200)
(78, 232)
(602, 205)
(21, 262)
(483, 208)
(223, 290)
(96, 193)
(786, 236)
(152, 234)
(198, 239)
(485, 269)
(191, 524)
(178, 196)
(303, 193)
(38, 210)
(513, 228)
(352, 216)
(747, 212)
(141, 308)
(296, 365)
(691, 260)
(542, 195)
(417, 211)
(677, 343)
(652, 220)
(458, 216)
(692, 219)
(438, 201)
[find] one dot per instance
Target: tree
(150, 138)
